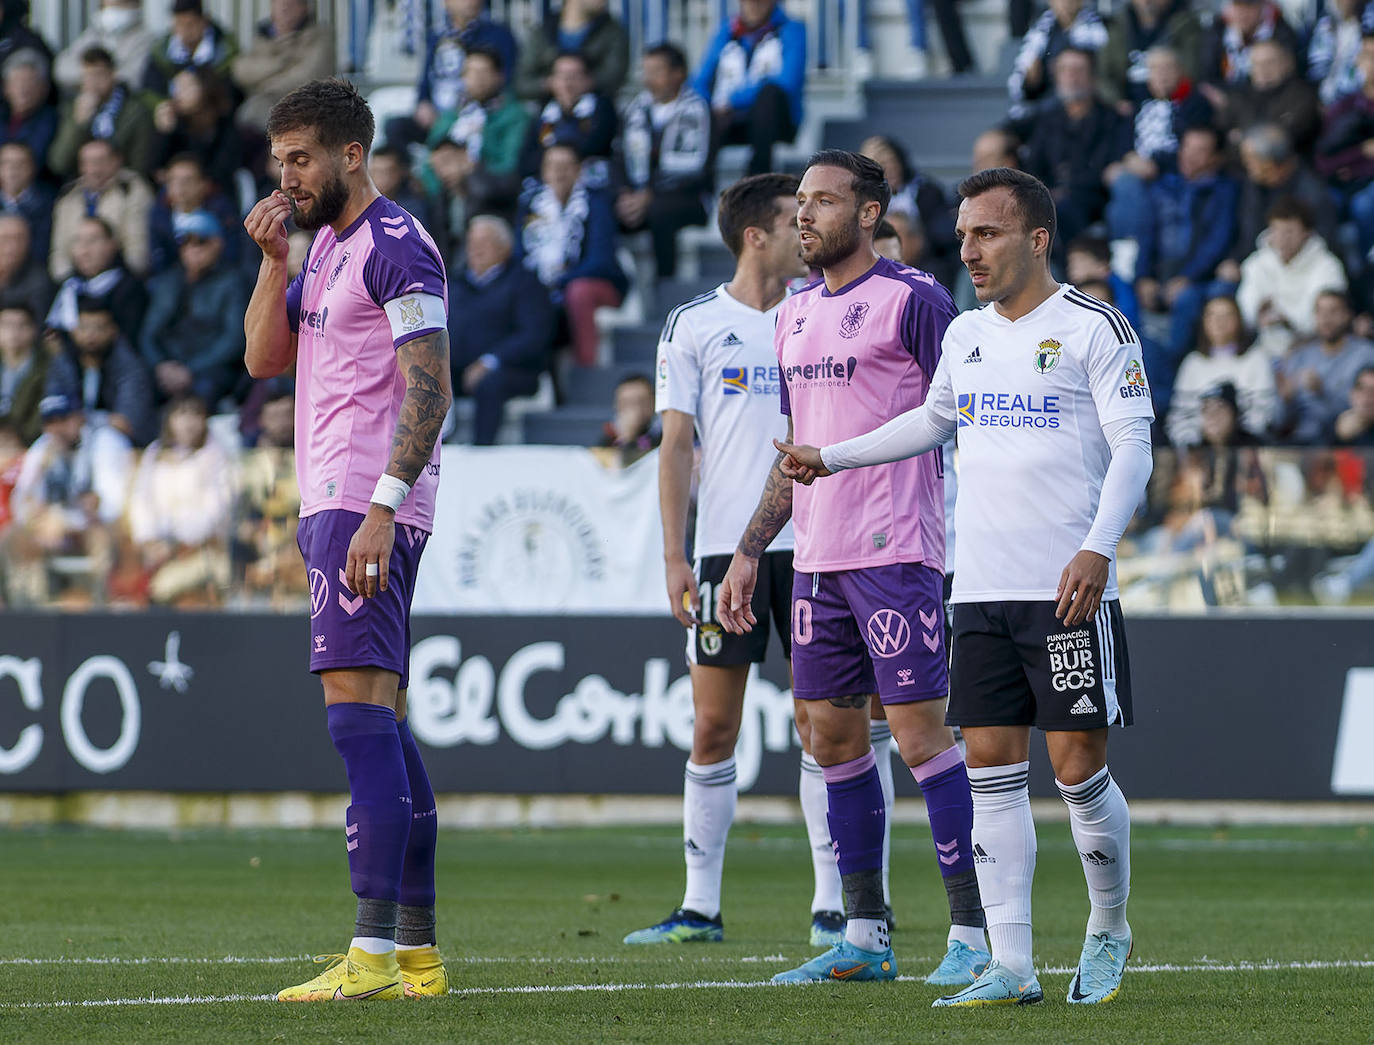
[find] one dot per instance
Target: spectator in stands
(1136, 29)
(442, 89)
(104, 108)
(1314, 380)
(389, 168)
(1345, 150)
(1089, 261)
(664, 173)
(195, 42)
(192, 335)
(105, 189)
(118, 30)
(99, 271)
(566, 236)
(1225, 353)
(71, 492)
(290, 47)
(1280, 281)
(576, 114)
(179, 509)
(1273, 171)
(100, 371)
(1355, 425)
(753, 73)
(23, 369)
(481, 173)
(24, 196)
(1067, 23)
(15, 34)
(1272, 93)
(920, 211)
(26, 115)
(11, 461)
(185, 190)
(20, 278)
(1076, 137)
(265, 554)
(501, 326)
(995, 147)
(1334, 48)
(583, 26)
(887, 241)
(952, 31)
(634, 430)
(1227, 50)
(199, 119)
(1172, 106)
(1186, 227)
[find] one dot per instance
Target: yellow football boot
(354, 976)
(423, 970)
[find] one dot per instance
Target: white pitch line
(603, 988)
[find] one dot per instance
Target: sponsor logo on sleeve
(1134, 386)
(412, 314)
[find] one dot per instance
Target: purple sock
(417, 877)
(949, 805)
(856, 820)
(378, 821)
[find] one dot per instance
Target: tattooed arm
(424, 362)
(733, 608)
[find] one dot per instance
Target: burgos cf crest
(1047, 355)
(854, 319)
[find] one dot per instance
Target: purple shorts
(347, 630)
(877, 630)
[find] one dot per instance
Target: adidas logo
(975, 356)
(980, 855)
(1084, 706)
(730, 340)
(692, 847)
(1098, 857)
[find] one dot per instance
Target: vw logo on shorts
(319, 593)
(888, 633)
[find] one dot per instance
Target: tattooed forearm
(771, 515)
(424, 362)
(857, 700)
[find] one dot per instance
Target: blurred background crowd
(1213, 165)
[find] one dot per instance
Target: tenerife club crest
(854, 319)
(1047, 355)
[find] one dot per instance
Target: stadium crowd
(1213, 168)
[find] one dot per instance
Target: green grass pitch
(1244, 934)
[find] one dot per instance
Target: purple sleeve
(929, 311)
(293, 299)
(786, 403)
(404, 265)
(785, 406)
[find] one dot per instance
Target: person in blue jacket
(753, 74)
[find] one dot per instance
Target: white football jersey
(1029, 399)
(716, 362)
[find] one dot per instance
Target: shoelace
(334, 961)
(1104, 944)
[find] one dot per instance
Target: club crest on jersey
(854, 319)
(735, 380)
(1047, 355)
(334, 275)
(711, 639)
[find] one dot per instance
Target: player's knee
(713, 738)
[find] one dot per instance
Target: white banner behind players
(537, 529)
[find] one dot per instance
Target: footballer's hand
(800, 462)
(1081, 586)
(371, 544)
(683, 597)
(733, 608)
(266, 223)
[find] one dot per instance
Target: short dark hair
(1208, 129)
(393, 152)
(331, 108)
(582, 59)
(886, 230)
(15, 303)
(97, 55)
(1290, 208)
(1340, 295)
(488, 52)
(1360, 373)
(1086, 52)
(869, 184)
(635, 378)
(1095, 247)
(104, 224)
(1033, 201)
(751, 202)
(94, 303)
(670, 53)
(186, 158)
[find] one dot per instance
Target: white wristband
(390, 491)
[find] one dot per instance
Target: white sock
(1101, 823)
(828, 894)
(413, 946)
(709, 796)
(880, 733)
(868, 933)
(1004, 857)
(969, 935)
(372, 944)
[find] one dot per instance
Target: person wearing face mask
(118, 27)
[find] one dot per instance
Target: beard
(833, 247)
(329, 204)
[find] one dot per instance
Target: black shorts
(711, 645)
(1014, 664)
